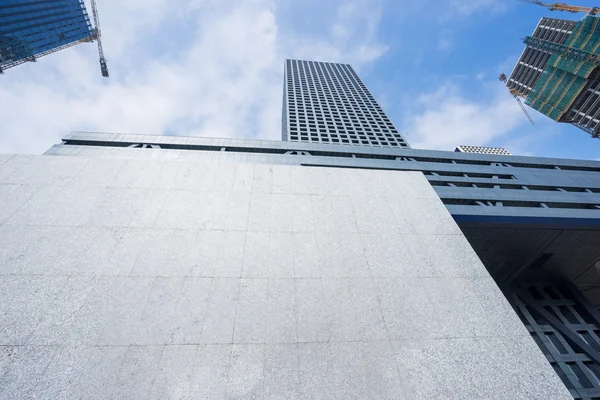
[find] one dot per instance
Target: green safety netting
(586, 35)
(563, 79)
(579, 68)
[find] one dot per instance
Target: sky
(215, 68)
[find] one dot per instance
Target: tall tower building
(328, 103)
(31, 29)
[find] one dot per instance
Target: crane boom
(524, 109)
(516, 95)
(565, 7)
(97, 36)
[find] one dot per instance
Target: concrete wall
(173, 279)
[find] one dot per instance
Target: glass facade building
(29, 29)
(328, 103)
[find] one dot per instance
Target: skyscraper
(31, 29)
(328, 103)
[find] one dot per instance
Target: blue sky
(215, 68)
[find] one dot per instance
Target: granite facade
(140, 278)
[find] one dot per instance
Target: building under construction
(558, 72)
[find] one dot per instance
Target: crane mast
(97, 35)
(516, 95)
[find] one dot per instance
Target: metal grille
(482, 150)
(566, 327)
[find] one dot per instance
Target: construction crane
(516, 96)
(97, 35)
(565, 7)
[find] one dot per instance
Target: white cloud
(198, 67)
(524, 145)
(445, 41)
(444, 119)
(353, 36)
(466, 8)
